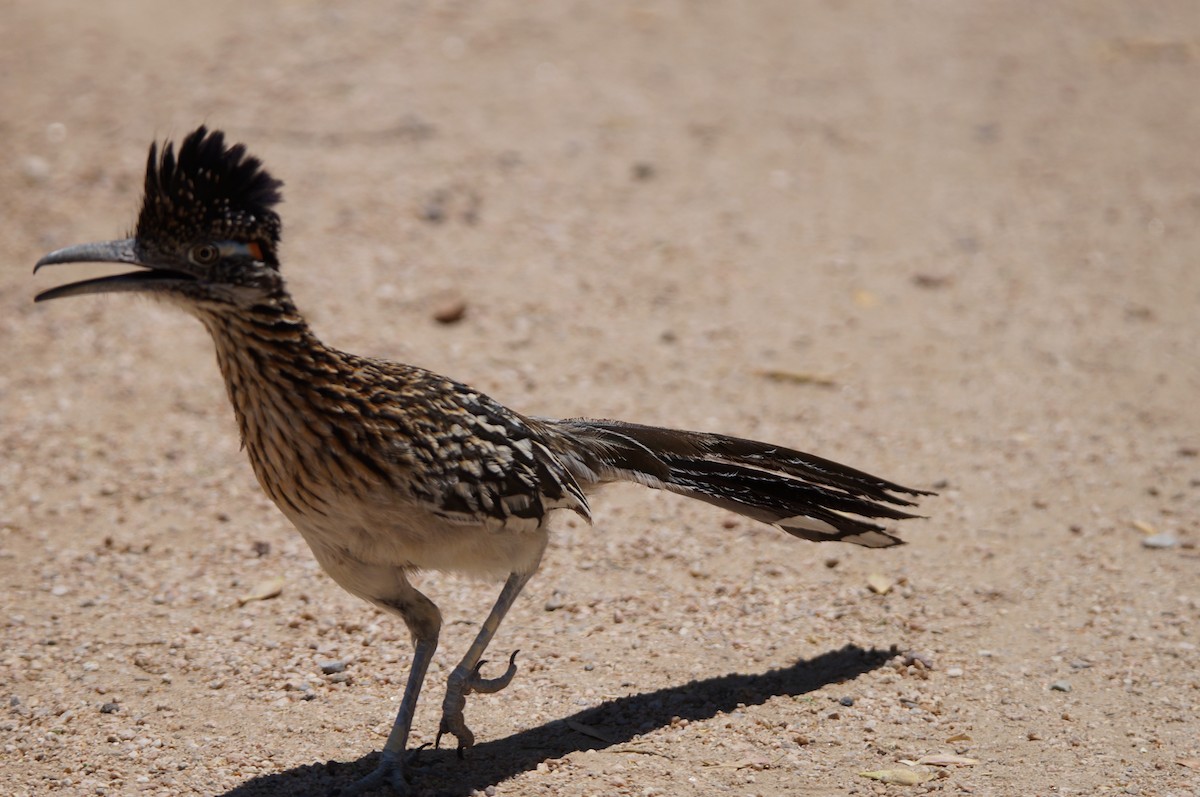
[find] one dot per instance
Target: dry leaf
(1190, 763)
(638, 751)
(268, 588)
(879, 583)
(797, 377)
(1144, 527)
(902, 777)
(1152, 51)
(588, 730)
(958, 737)
(947, 760)
(749, 762)
(932, 280)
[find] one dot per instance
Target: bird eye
(204, 254)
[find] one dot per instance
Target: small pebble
(340, 678)
(450, 312)
(1060, 686)
(914, 656)
(331, 666)
(642, 171)
(846, 701)
(110, 708)
(955, 672)
(35, 169)
(1163, 540)
(879, 583)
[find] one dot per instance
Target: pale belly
(412, 539)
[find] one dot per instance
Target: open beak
(109, 252)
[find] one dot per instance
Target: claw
(443, 728)
(413, 755)
(453, 721)
(390, 773)
(490, 686)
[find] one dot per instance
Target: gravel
(810, 163)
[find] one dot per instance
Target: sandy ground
(975, 224)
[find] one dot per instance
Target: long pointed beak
(108, 252)
(125, 251)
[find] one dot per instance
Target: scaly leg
(424, 620)
(465, 678)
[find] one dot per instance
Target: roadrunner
(387, 469)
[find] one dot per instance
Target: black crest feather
(209, 192)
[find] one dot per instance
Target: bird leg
(425, 625)
(466, 679)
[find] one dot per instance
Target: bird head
(206, 237)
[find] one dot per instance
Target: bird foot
(390, 774)
(460, 685)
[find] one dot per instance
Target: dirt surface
(952, 243)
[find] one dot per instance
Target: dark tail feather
(806, 496)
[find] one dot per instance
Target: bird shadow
(614, 722)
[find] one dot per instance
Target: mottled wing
(477, 462)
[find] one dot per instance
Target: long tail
(804, 495)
